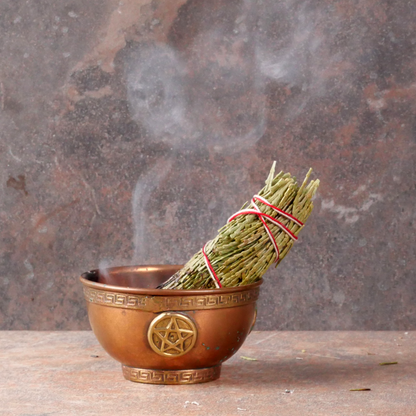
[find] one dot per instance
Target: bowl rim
(159, 292)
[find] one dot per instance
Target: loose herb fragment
(360, 389)
(391, 363)
(248, 358)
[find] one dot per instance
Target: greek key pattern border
(140, 375)
(170, 303)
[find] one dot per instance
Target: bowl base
(148, 376)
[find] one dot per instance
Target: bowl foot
(144, 375)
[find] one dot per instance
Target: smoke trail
(145, 188)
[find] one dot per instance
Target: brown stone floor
(296, 373)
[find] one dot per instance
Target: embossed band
(170, 303)
(201, 375)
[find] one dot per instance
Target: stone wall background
(131, 130)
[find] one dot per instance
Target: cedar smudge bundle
(260, 234)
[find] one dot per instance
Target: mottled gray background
(130, 130)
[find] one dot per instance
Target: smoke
(143, 192)
(306, 47)
(177, 96)
(103, 268)
(228, 89)
(210, 93)
(156, 80)
(294, 56)
(178, 107)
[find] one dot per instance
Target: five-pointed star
(173, 337)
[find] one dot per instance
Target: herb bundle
(243, 249)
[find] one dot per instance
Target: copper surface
(133, 322)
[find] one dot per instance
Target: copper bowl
(167, 336)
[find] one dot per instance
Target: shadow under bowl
(167, 336)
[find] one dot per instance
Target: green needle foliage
(242, 251)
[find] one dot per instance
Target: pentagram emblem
(172, 334)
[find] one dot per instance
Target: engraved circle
(172, 334)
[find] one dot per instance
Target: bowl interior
(137, 277)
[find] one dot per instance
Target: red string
(256, 211)
(211, 269)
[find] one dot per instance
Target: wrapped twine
(243, 250)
